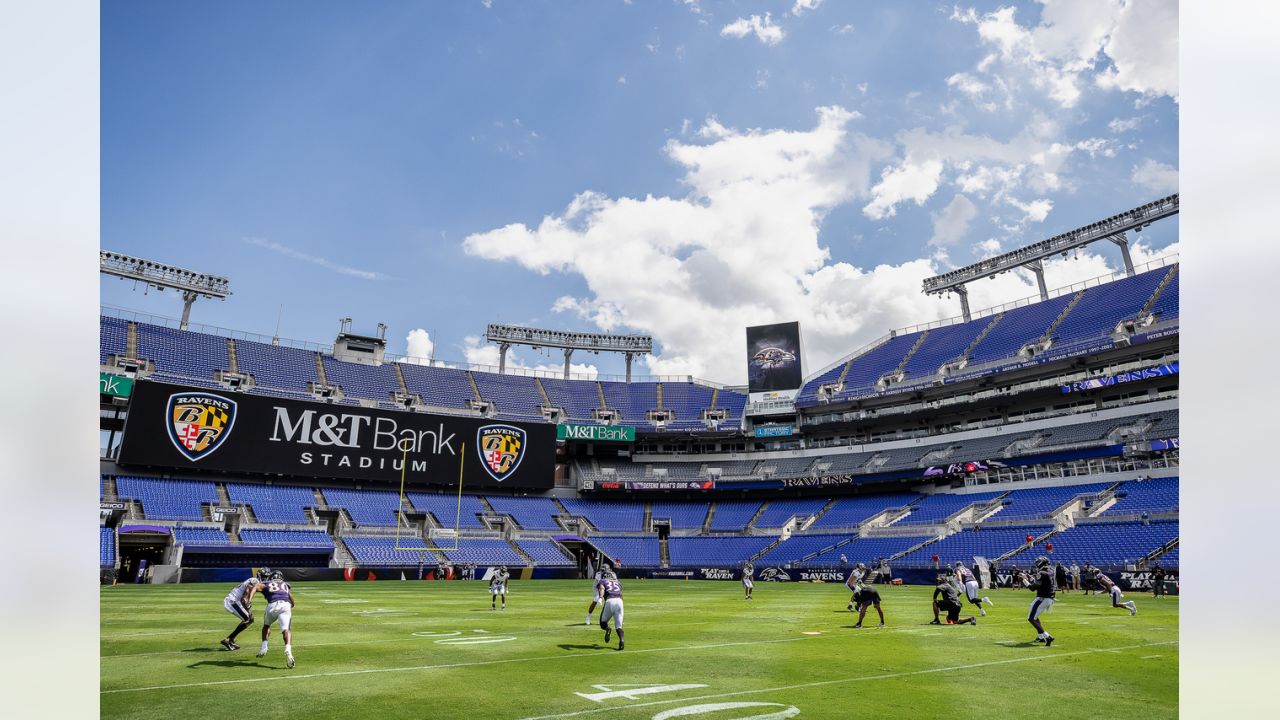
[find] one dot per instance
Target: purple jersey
(966, 575)
(608, 589)
(276, 591)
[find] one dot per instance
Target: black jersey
(948, 593)
(1044, 584)
(867, 595)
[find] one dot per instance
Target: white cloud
(478, 352)
(908, 181)
(1114, 44)
(1119, 125)
(765, 30)
(1034, 211)
(622, 79)
(420, 346)
(804, 5)
(314, 259)
(952, 223)
(841, 29)
(1156, 176)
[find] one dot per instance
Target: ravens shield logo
(199, 422)
(501, 449)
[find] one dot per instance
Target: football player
(747, 585)
(854, 582)
(609, 590)
(970, 583)
(498, 586)
(600, 574)
(280, 604)
(1043, 586)
(865, 598)
(239, 602)
(1113, 590)
(947, 599)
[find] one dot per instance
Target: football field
(693, 650)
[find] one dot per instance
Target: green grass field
(436, 650)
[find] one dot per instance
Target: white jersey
(237, 594)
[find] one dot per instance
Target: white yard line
(862, 678)
(370, 671)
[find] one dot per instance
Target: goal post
(435, 533)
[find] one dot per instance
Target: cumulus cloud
(952, 223)
(742, 248)
(1119, 125)
(1156, 176)
(1113, 44)
(804, 5)
(765, 29)
(420, 348)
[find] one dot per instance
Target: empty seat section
(106, 547)
(726, 551)
(182, 353)
(274, 503)
(1103, 544)
(937, 508)
(963, 546)
(168, 499)
(1018, 327)
(545, 553)
(624, 516)
(530, 513)
(515, 396)
(438, 386)
(778, 512)
(1039, 502)
(865, 550)
(276, 366)
(199, 536)
(578, 398)
(686, 401)
(286, 538)
(683, 515)
(732, 403)
(629, 551)
(734, 514)
(632, 400)
(797, 546)
(1104, 306)
(1166, 306)
(482, 552)
(1135, 496)
(881, 360)
(942, 345)
(444, 508)
(113, 335)
(366, 507)
(381, 551)
(376, 382)
(849, 512)
(808, 395)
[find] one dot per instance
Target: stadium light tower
(1032, 256)
(191, 284)
(507, 335)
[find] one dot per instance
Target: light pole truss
(159, 275)
(1032, 256)
(507, 335)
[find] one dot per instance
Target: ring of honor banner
(174, 426)
(773, 358)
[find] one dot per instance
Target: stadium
(389, 490)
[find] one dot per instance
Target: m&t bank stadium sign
(608, 433)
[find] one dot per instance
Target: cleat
(1048, 641)
(850, 607)
(982, 612)
(621, 645)
(607, 634)
(934, 622)
(262, 653)
(880, 625)
(1133, 611)
(1039, 639)
(858, 626)
(226, 643)
(234, 646)
(288, 660)
(975, 621)
(987, 600)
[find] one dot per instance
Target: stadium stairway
(131, 340)
(320, 501)
(475, 389)
(1062, 316)
(711, 514)
(1155, 296)
(600, 393)
(647, 522)
(964, 357)
(528, 561)
(664, 552)
(751, 524)
(542, 392)
(109, 489)
(223, 498)
(1040, 540)
(341, 554)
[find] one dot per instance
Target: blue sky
(675, 168)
